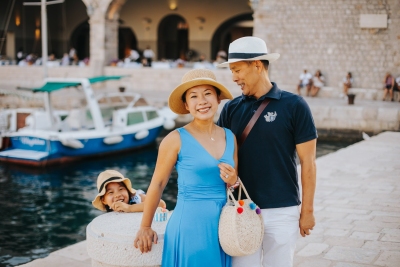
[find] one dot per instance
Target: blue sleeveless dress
(191, 235)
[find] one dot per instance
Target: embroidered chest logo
(271, 116)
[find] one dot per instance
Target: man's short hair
(264, 62)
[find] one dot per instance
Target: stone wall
(326, 35)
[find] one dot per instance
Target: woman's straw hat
(190, 79)
(248, 48)
(106, 177)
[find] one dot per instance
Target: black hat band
(245, 55)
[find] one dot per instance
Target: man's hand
(144, 239)
(120, 206)
(307, 223)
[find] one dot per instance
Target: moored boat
(104, 124)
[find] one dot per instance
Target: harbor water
(43, 210)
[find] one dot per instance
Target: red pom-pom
(240, 210)
(241, 202)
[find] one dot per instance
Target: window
(151, 114)
(135, 117)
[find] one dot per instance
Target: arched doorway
(126, 41)
(80, 40)
(231, 30)
(173, 37)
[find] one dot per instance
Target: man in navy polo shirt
(267, 163)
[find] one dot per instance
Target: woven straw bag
(240, 234)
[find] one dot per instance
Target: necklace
(210, 135)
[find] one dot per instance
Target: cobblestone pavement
(357, 209)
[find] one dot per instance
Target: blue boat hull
(53, 151)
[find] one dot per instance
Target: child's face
(115, 192)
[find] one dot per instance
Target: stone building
(335, 36)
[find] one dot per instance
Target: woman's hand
(144, 239)
(227, 173)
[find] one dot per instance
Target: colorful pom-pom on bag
(241, 227)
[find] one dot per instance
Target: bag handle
(230, 195)
(252, 121)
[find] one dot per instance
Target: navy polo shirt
(267, 163)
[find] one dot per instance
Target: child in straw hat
(116, 194)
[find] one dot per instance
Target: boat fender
(112, 140)
(72, 143)
(169, 124)
(141, 134)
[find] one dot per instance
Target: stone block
(336, 232)
(59, 261)
(365, 235)
(354, 255)
(347, 264)
(77, 252)
(347, 210)
(314, 263)
(389, 259)
(388, 114)
(312, 249)
(344, 242)
(382, 245)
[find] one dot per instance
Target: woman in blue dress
(205, 157)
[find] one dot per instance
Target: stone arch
(80, 39)
(229, 31)
(173, 37)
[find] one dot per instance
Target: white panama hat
(248, 48)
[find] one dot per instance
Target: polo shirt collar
(274, 93)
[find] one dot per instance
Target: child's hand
(120, 207)
(162, 204)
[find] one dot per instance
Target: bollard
(350, 98)
(110, 241)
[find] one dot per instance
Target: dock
(357, 211)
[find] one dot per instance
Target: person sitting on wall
(305, 81)
(148, 54)
(134, 56)
(317, 82)
(388, 82)
(396, 88)
(347, 83)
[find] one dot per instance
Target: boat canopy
(57, 85)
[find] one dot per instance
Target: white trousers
(280, 235)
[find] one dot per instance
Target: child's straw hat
(106, 177)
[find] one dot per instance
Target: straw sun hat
(248, 48)
(106, 177)
(190, 79)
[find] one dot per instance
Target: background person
(205, 157)
(388, 82)
(305, 81)
(396, 88)
(148, 54)
(317, 83)
(267, 164)
(347, 84)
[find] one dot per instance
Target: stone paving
(357, 207)
(357, 210)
